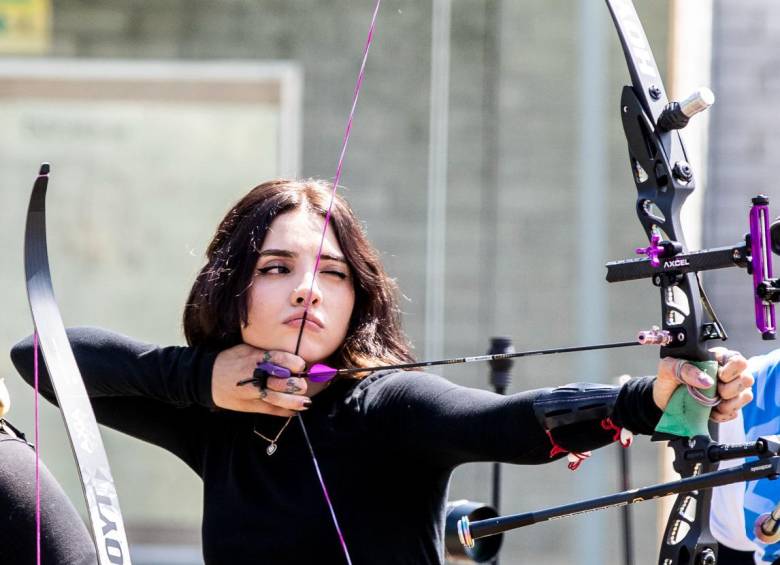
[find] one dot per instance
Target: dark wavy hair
(217, 305)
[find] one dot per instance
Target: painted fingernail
(307, 403)
(705, 379)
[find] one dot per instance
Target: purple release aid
(274, 370)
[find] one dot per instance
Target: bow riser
(660, 197)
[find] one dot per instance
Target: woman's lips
(312, 323)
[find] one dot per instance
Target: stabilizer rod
(763, 468)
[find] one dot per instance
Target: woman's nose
(307, 286)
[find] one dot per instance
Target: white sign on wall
(146, 157)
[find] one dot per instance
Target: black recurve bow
(107, 526)
(664, 180)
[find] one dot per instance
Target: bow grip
(684, 416)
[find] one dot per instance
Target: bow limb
(105, 517)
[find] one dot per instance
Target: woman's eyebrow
(337, 258)
(292, 255)
(277, 253)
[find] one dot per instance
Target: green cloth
(684, 417)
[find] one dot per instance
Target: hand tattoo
(291, 386)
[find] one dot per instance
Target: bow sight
(664, 179)
(666, 264)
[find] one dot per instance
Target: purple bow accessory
(319, 373)
(653, 251)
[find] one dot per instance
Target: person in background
(736, 507)
(64, 537)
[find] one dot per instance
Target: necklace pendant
(271, 449)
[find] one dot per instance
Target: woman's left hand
(734, 382)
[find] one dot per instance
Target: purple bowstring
(340, 166)
(307, 303)
(37, 455)
(325, 492)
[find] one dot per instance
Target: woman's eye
(338, 274)
(283, 270)
(273, 270)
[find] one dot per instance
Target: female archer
(386, 442)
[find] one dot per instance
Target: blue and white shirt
(736, 507)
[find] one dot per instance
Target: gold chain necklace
(271, 449)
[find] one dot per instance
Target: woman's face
(283, 277)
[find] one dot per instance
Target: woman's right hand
(281, 397)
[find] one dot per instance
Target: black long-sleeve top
(386, 446)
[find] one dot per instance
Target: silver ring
(678, 370)
(703, 399)
(726, 357)
(698, 396)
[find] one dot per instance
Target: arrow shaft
(482, 358)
